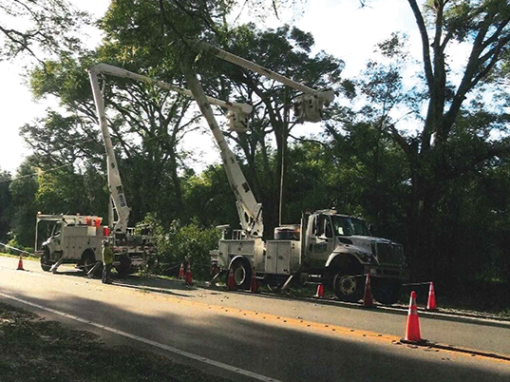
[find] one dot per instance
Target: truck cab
(342, 251)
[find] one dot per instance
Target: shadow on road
(289, 354)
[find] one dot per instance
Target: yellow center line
(329, 329)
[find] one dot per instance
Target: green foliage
(29, 27)
(209, 199)
(23, 190)
(182, 243)
(426, 163)
(15, 244)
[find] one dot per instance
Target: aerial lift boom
(249, 210)
(308, 108)
(114, 181)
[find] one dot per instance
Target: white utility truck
(77, 239)
(327, 247)
(74, 239)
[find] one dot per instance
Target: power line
(36, 173)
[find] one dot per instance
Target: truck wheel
(124, 268)
(89, 260)
(348, 287)
(242, 274)
(45, 260)
(386, 291)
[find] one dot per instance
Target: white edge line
(171, 349)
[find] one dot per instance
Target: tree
(186, 24)
(287, 51)
(147, 125)
(208, 198)
(23, 190)
(460, 111)
(33, 27)
(5, 203)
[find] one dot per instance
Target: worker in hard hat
(107, 262)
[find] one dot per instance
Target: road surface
(245, 337)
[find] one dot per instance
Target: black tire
(386, 291)
(242, 274)
(124, 268)
(348, 287)
(45, 260)
(89, 260)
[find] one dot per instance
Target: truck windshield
(347, 226)
(57, 228)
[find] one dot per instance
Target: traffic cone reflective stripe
(181, 272)
(254, 285)
(413, 334)
(368, 299)
(431, 303)
(231, 283)
(189, 278)
(320, 291)
(20, 263)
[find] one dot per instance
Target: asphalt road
(235, 334)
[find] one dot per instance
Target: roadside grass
(490, 298)
(28, 257)
(34, 349)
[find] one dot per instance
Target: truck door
(324, 239)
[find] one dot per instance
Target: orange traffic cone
(189, 277)
(413, 334)
(181, 272)
(320, 291)
(431, 303)
(231, 283)
(254, 285)
(20, 263)
(368, 299)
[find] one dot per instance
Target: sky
(340, 27)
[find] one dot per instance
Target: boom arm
(114, 180)
(327, 95)
(307, 107)
(249, 210)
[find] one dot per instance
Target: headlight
(365, 257)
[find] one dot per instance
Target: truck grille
(389, 253)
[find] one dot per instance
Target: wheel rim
(87, 264)
(347, 285)
(239, 275)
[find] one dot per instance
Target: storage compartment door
(283, 259)
(271, 257)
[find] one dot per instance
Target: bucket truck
(77, 239)
(73, 239)
(327, 247)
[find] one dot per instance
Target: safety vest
(107, 255)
